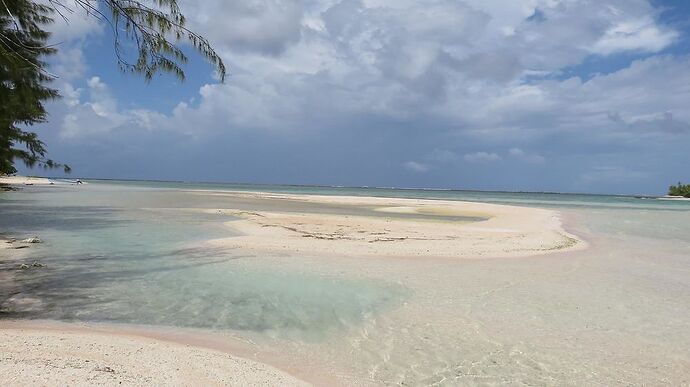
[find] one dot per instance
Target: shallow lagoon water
(126, 265)
(615, 314)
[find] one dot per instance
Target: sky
(520, 95)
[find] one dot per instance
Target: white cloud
(96, 116)
(409, 59)
(415, 166)
(481, 157)
(266, 27)
(71, 22)
(406, 60)
(527, 157)
(442, 77)
(639, 35)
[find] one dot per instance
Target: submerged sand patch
(505, 231)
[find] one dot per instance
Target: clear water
(130, 252)
(526, 198)
(127, 256)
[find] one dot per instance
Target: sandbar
(501, 231)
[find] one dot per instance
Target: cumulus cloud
(405, 60)
(664, 123)
(415, 166)
(71, 22)
(461, 61)
(423, 85)
(99, 114)
(635, 35)
(527, 157)
(481, 157)
(263, 26)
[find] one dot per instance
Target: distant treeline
(679, 190)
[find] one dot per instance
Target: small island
(679, 190)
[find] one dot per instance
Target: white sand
(509, 231)
(54, 357)
(63, 357)
(24, 180)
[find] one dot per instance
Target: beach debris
(388, 239)
(105, 369)
(32, 240)
(36, 264)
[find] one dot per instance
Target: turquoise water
(562, 200)
(125, 255)
(617, 313)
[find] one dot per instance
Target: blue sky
(539, 95)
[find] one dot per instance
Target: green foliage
(679, 190)
(152, 25)
(23, 83)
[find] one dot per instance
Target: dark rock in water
(21, 247)
(37, 264)
(31, 240)
(23, 266)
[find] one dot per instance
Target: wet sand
(436, 228)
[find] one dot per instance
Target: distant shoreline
(18, 180)
(671, 197)
(336, 186)
(25, 180)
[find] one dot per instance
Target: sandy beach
(24, 180)
(394, 228)
(81, 357)
(490, 230)
(336, 290)
(78, 356)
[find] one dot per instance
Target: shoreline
(24, 180)
(105, 354)
(491, 231)
(671, 197)
(523, 227)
